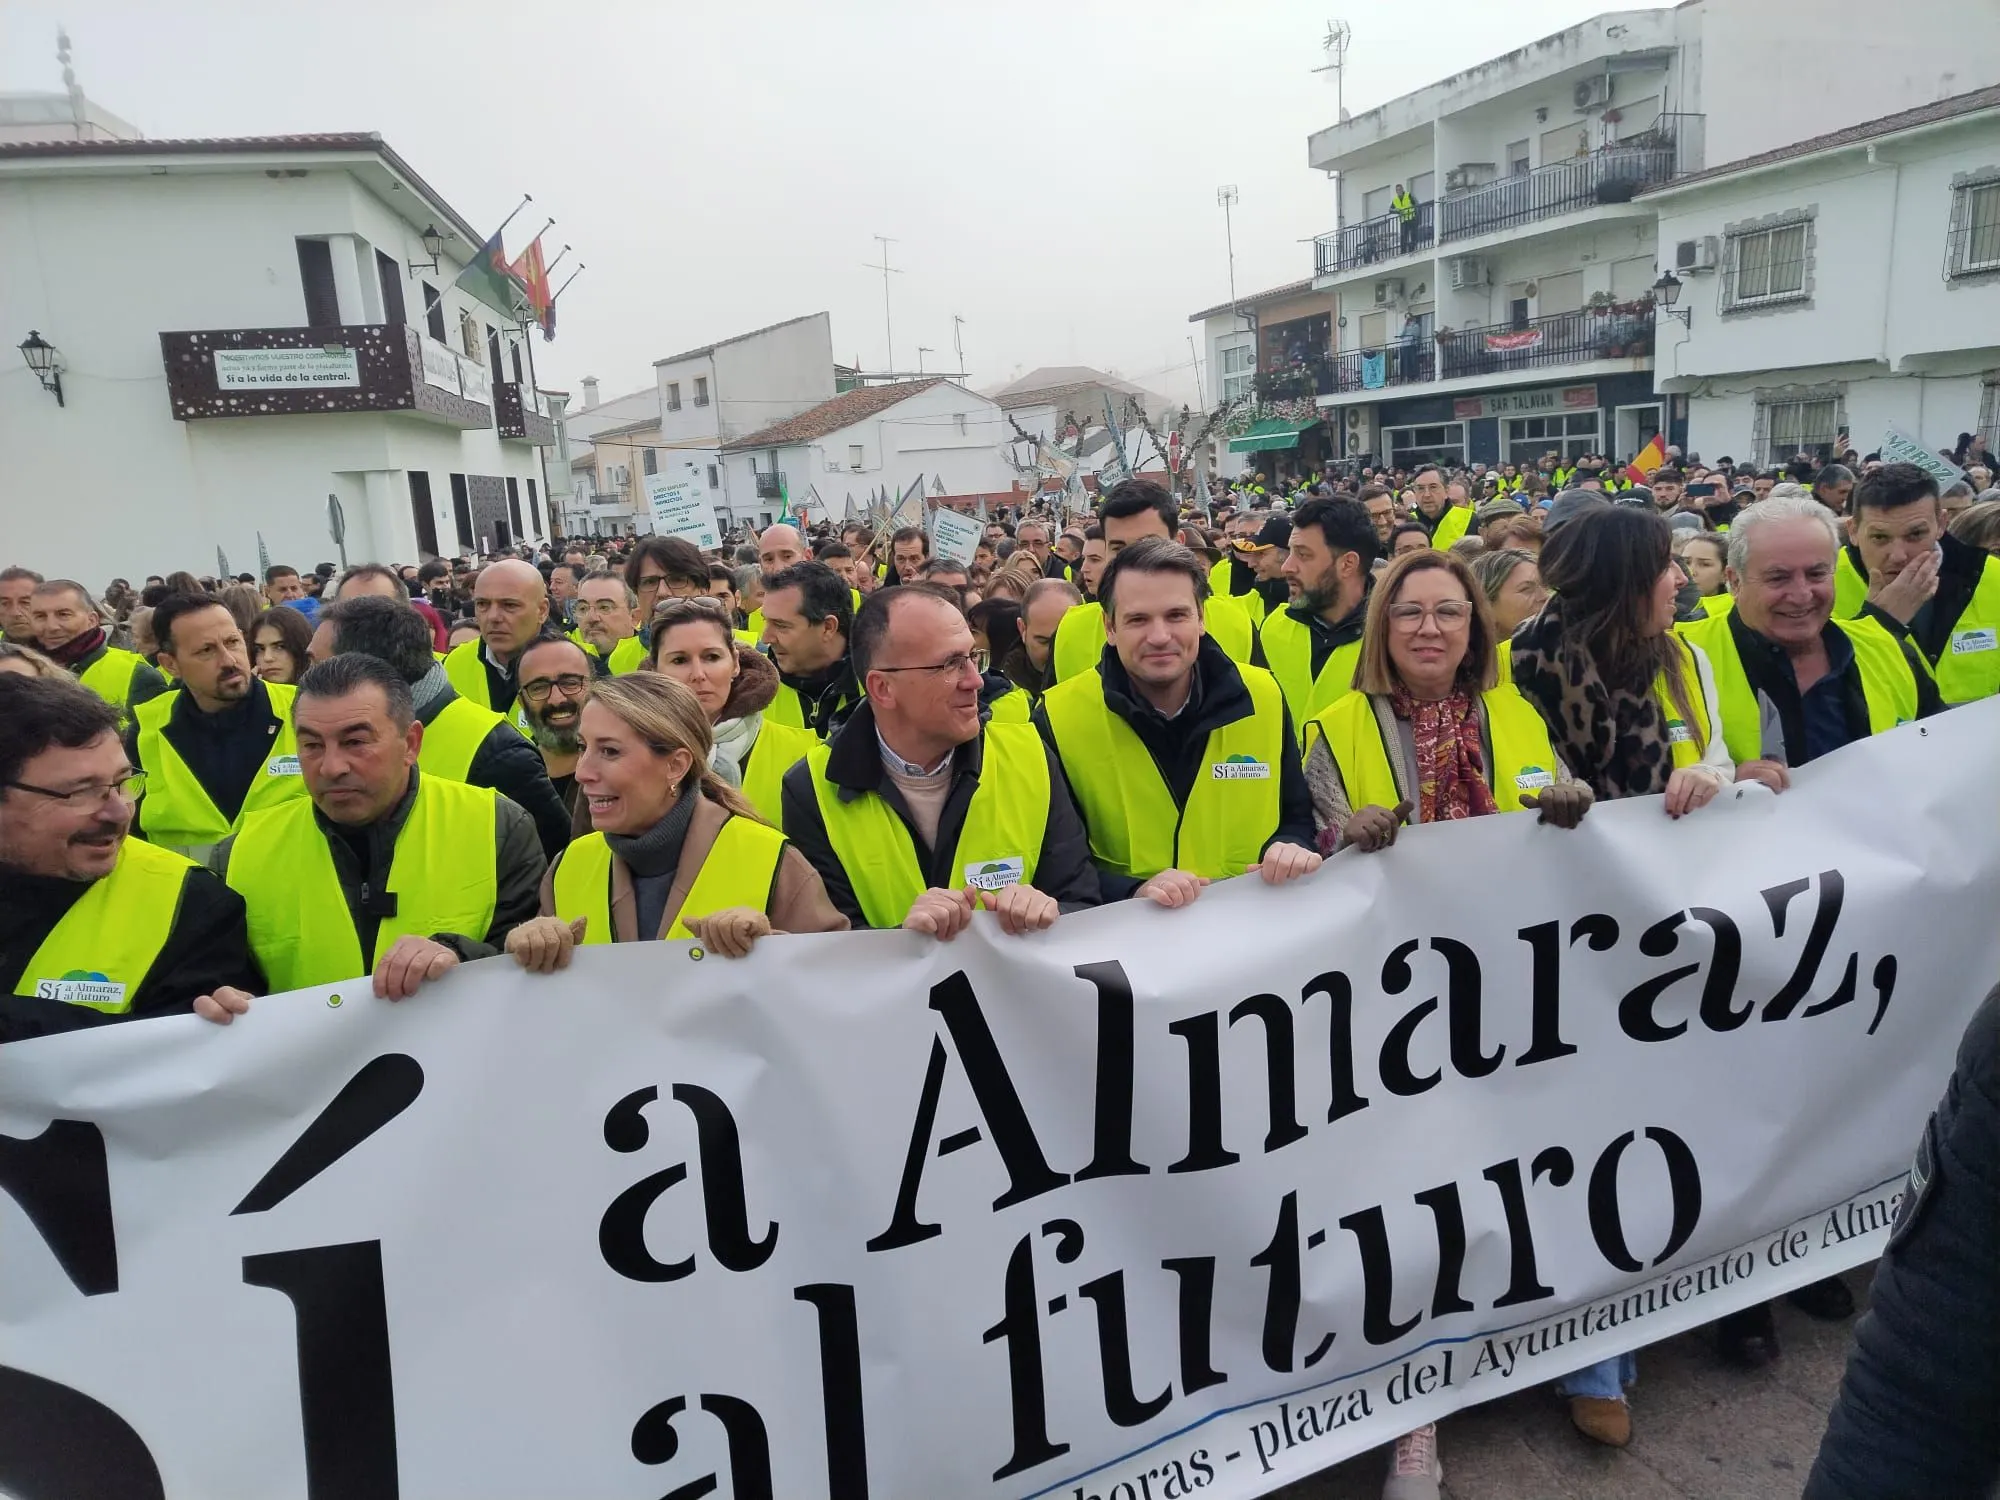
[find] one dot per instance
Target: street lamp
(46, 361)
(433, 239)
(1668, 291)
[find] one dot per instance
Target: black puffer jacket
(1918, 1413)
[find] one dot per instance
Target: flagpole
(526, 199)
(557, 261)
(580, 268)
(538, 234)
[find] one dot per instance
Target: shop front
(1615, 416)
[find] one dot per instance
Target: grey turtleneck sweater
(653, 857)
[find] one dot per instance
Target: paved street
(1700, 1431)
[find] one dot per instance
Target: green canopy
(1263, 436)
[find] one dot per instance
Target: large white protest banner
(1153, 1205)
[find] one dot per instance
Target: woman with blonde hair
(25, 661)
(676, 852)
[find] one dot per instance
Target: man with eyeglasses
(385, 871)
(1184, 764)
(96, 926)
(661, 568)
(555, 679)
(511, 603)
(216, 747)
(920, 811)
(462, 742)
(806, 617)
(607, 625)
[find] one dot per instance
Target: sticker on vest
(997, 874)
(282, 765)
(79, 987)
(1534, 778)
(1965, 642)
(1240, 768)
(1678, 733)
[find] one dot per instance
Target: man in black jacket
(498, 756)
(919, 750)
(1166, 701)
(95, 927)
(1916, 1413)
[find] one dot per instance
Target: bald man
(778, 547)
(511, 604)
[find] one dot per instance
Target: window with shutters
(1768, 263)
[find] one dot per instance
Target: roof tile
(830, 416)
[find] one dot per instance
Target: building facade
(606, 442)
(712, 396)
(258, 344)
(932, 432)
(1498, 241)
(1840, 289)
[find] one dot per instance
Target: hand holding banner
(1131, 1207)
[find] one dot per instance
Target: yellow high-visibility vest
(1887, 682)
(1452, 526)
(106, 944)
(452, 739)
(999, 845)
(465, 668)
(1685, 742)
(777, 748)
(739, 871)
(110, 677)
(1219, 580)
(1288, 653)
(177, 812)
(1135, 828)
(1079, 643)
(1523, 758)
(1969, 667)
(442, 876)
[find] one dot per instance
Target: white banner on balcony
(1154, 1203)
(331, 367)
(441, 366)
(475, 382)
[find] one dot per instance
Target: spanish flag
(1650, 458)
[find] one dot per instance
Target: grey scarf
(653, 857)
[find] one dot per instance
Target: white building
(712, 396)
(875, 437)
(606, 442)
(254, 340)
(1270, 346)
(1846, 284)
(1511, 314)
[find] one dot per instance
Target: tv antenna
(888, 329)
(1338, 37)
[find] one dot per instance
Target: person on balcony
(1405, 209)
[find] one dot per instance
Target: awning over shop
(1264, 436)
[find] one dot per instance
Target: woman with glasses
(694, 644)
(675, 851)
(1428, 736)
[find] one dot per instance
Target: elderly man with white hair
(1794, 682)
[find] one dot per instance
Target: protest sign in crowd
(218, 790)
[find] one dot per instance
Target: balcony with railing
(363, 367)
(1621, 330)
(1373, 240)
(1611, 174)
(514, 410)
(770, 486)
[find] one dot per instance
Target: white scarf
(733, 739)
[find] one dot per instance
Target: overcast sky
(1048, 171)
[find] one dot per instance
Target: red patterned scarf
(1451, 780)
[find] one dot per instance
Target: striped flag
(1651, 457)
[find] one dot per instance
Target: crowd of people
(218, 789)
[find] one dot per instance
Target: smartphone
(1704, 490)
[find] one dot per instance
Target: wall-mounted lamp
(46, 361)
(1668, 291)
(433, 244)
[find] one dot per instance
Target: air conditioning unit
(1467, 271)
(1701, 254)
(1359, 437)
(1594, 93)
(1388, 293)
